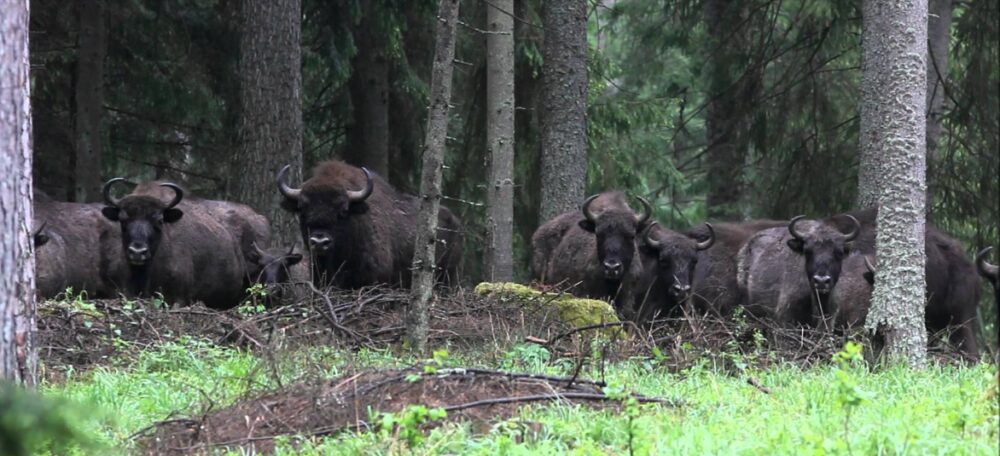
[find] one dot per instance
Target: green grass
(940, 410)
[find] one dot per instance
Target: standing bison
(592, 250)
(360, 230)
(180, 249)
(69, 250)
(668, 263)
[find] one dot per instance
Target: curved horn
(711, 238)
(856, 229)
(288, 192)
(586, 208)
(791, 227)
(652, 243)
(647, 211)
(986, 269)
(257, 249)
(869, 265)
(178, 194)
(106, 191)
(40, 228)
(291, 249)
(357, 196)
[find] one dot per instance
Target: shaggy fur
(672, 264)
(71, 256)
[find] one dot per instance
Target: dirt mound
(352, 402)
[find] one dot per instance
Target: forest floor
(327, 376)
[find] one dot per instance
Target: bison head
(272, 266)
(324, 210)
(824, 249)
(141, 218)
(615, 228)
(676, 257)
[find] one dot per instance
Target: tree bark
(894, 81)
(499, 253)
(270, 126)
(430, 177)
(564, 102)
(89, 96)
(368, 139)
(938, 42)
(18, 358)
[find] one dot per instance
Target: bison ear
(110, 213)
(40, 239)
(587, 225)
(293, 259)
(357, 208)
(795, 245)
(869, 277)
(172, 215)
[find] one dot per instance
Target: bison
(181, 250)
(274, 268)
(851, 297)
(668, 263)
(788, 274)
(989, 271)
(592, 249)
(69, 243)
(360, 230)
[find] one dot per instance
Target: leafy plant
(407, 423)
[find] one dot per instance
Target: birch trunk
(500, 141)
(430, 178)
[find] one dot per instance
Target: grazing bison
(360, 230)
(179, 250)
(592, 249)
(953, 286)
(715, 287)
(274, 268)
(69, 244)
(668, 263)
(989, 271)
(788, 274)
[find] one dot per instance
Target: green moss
(573, 311)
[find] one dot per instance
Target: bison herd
(359, 231)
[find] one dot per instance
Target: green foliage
(408, 424)
(32, 424)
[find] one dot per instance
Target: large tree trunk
(18, 359)
(271, 108)
(499, 264)
(564, 102)
(938, 42)
(732, 86)
(368, 139)
(894, 81)
(430, 177)
(89, 88)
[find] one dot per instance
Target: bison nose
(137, 249)
(613, 267)
(320, 242)
(822, 283)
(681, 290)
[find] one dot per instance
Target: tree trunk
(564, 102)
(894, 81)
(271, 109)
(430, 177)
(499, 256)
(732, 85)
(938, 41)
(89, 88)
(18, 359)
(368, 139)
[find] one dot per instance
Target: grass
(834, 409)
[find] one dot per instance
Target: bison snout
(320, 243)
(613, 269)
(680, 291)
(137, 254)
(822, 283)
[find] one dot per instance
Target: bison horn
(357, 196)
(257, 249)
(106, 191)
(288, 192)
(869, 265)
(40, 228)
(711, 238)
(586, 208)
(986, 269)
(855, 229)
(178, 194)
(652, 243)
(647, 211)
(791, 227)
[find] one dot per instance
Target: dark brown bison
(715, 288)
(275, 269)
(360, 230)
(69, 250)
(953, 285)
(989, 271)
(851, 297)
(592, 250)
(176, 248)
(788, 274)
(668, 263)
